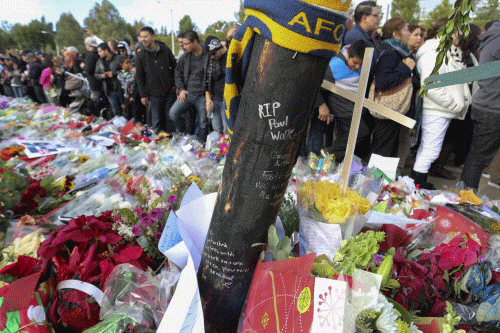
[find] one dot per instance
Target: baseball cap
(38, 53)
(92, 41)
(72, 49)
(212, 44)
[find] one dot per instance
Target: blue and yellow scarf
(314, 27)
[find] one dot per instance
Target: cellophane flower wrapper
(142, 297)
(100, 198)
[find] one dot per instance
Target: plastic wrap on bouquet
(137, 294)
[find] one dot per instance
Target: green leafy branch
(457, 21)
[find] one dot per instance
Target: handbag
(72, 83)
(397, 98)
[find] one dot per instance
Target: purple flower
(378, 259)
(146, 222)
(172, 199)
(136, 230)
(156, 214)
(159, 192)
(143, 215)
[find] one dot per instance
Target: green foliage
(407, 9)
(444, 9)
(451, 320)
(105, 21)
(357, 252)
(240, 14)
(323, 267)
(69, 32)
(30, 36)
(490, 10)
(280, 249)
(289, 215)
(186, 24)
(366, 321)
(218, 29)
(457, 21)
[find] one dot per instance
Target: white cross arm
(371, 105)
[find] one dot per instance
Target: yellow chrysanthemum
(329, 199)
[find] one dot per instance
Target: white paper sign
(184, 313)
(387, 165)
(193, 223)
(329, 306)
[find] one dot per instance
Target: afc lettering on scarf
(321, 24)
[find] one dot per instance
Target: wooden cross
(359, 102)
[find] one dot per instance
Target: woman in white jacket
(440, 105)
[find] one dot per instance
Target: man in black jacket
(189, 76)
(35, 72)
(155, 66)
(91, 59)
(106, 71)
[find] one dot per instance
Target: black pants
(159, 107)
(135, 110)
(385, 139)
(40, 95)
(342, 127)
(485, 145)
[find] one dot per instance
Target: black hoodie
(155, 71)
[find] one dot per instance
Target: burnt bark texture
(275, 107)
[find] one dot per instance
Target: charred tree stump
(277, 100)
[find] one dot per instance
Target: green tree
(30, 36)
(218, 29)
(6, 39)
(240, 14)
(186, 24)
(104, 21)
(490, 10)
(407, 9)
(69, 32)
(444, 9)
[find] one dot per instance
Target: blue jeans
(18, 91)
(159, 107)
(219, 118)
(114, 101)
(8, 90)
(179, 108)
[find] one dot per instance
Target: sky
(156, 13)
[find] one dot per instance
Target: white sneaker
(495, 185)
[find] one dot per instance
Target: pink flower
(172, 199)
(136, 230)
(145, 222)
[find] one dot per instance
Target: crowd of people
(148, 84)
(461, 119)
(145, 83)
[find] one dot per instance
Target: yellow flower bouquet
(326, 202)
